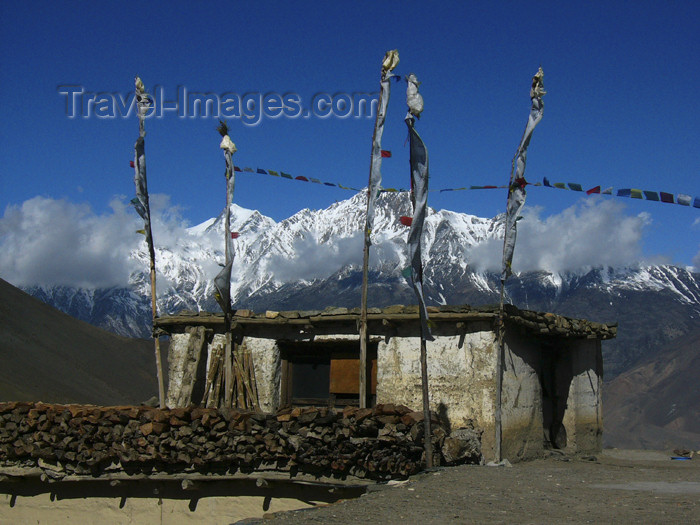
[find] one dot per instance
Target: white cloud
(316, 261)
(586, 235)
(47, 241)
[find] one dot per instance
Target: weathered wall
(184, 356)
(521, 399)
(460, 378)
(584, 416)
(266, 358)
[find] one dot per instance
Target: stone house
(551, 382)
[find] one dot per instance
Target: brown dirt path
(613, 487)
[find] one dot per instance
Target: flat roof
(537, 323)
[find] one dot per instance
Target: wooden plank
(345, 374)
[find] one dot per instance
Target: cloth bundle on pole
(419, 197)
(222, 282)
(390, 61)
(141, 204)
(516, 191)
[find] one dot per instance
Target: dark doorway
(553, 400)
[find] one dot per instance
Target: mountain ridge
(313, 260)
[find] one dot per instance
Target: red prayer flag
(666, 197)
(301, 177)
(235, 235)
(406, 221)
(131, 163)
(593, 190)
(386, 153)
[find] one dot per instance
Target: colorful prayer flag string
(661, 196)
(632, 193)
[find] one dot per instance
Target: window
(325, 373)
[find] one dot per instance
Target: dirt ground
(616, 486)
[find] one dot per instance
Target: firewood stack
(377, 443)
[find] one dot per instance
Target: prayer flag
(301, 177)
(651, 195)
(607, 191)
(141, 184)
(273, 173)
(635, 194)
(683, 199)
(546, 182)
(560, 185)
(516, 190)
(235, 235)
(260, 170)
(696, 202)
(222, 284)
(236, 168)
(285, 175)
(593, 190)
(419, 183)
(386, 154)
(131, 163)
(625, 192)
(391, 60)
(575, 187)
(248, 169)
(667, 197)
(406, 221)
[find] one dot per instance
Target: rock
(461, 446)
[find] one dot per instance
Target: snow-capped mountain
(313, 260)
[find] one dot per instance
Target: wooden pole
(228, 364)
(499, 378)
(144, 103)
(229, 149)
(427, 432)
(156, 339)
(390, 61)
(364, 336)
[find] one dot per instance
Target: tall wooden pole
(229, 149)
(499, 378)
(364, 336)
(144, 103)
(419, 200)
(390, 61)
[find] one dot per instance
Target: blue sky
(622, 109)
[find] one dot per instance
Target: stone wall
(461, 377)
